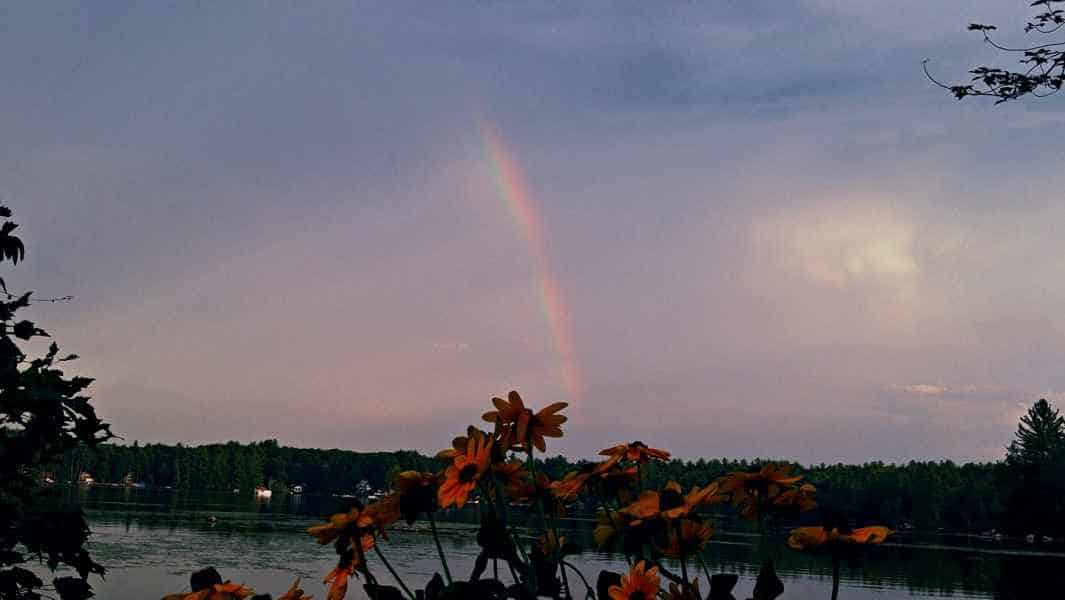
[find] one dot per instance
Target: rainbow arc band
(517, 195)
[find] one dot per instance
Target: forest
(1020, 494)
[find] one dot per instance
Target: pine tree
(1040, 435)
(1035, 472)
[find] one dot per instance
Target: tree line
(1022, 493)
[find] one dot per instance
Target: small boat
(1030, 538)
(263, 492)
(297, 489)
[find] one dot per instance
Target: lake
(150, 541)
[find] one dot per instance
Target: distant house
(297, 489)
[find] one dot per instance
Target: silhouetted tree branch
(1043, 72)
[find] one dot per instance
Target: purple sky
(773, 235)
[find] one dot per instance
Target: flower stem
(684, 571)
(610, 517)
(395, 575)
(706, 571)
(590, 590)
(683, 560)
(362, 566)
(439, 548)
(565, 580)
(533, 584)
(670, 575)
(835, 575)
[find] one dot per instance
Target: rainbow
(516, 194)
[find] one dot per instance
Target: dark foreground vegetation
(1021, 494)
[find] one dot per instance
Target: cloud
(921, 389)
(858, 243)
(449, 345)
(774, 236)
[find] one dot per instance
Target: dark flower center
(670, 499)
(468, 473)
(637, 595)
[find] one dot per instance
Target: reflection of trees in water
(922, 570)
(913, 568)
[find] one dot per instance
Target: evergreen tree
(1034, 473)
(1040, 434)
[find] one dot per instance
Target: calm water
(151, 541)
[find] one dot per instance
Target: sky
(728, 229)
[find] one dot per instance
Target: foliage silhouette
(1034, 474)
(1043, 65)
(43, 415)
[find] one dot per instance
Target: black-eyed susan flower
(463, 473)
(511, 473)
(802, 498)
(338, 582)
(640, 583)
(808, 538)
(687, 537)
(682, 592)
(636, 451)
(569, 487)
(417, 493)
(294, 592)
(518, 426)
(222, 591)
(459, 444)
(350, 522)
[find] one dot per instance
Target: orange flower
(529, 490)
(222, 591)
(506, 417)
(384, 512)
(679, 592)
(350, 521)
(608, 526)
(464, 472)
(687, 538)
(519, 426)
(669, 503)
(546, 423)
(803, 498)
(459, 444)
(693, 499)
(294, 592)
(757, 491)
(767, 482)
(511, 473)
(874, 534)
(417, 493)
(806, 538)
(338, 578)
(647, 506)
(407, 482)
(636, 451)
(550, 543)
(569, 486)
(639, 583)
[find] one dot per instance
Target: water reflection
(151, 541)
